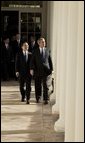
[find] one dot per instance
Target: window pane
(38, 17)
(37, 27)
(31, 17)
(24, 17)
(23, 27)
(30, 27)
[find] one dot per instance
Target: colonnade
(66, 42)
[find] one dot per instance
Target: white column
(60, 124)
(51, 42)
(56, 51)
(52, 48)
(79, 117)
(71, 71)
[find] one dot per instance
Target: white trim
(21, 9)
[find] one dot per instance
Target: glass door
(31, 25)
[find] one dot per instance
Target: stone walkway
(21, 122)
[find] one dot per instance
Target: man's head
(32, 40)
(41, 42)
(17, 36)
(6, 40)
(25, 46)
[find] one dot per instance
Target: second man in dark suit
(22, 68)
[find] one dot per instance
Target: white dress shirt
(7, 46)
(25, 53)
(43, 51)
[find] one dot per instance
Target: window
(30, 25)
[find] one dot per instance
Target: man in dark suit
(32, 44)
(15, 48)
(6, 57)
(16, 44)
(41, 67)
(22, 68)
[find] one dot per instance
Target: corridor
(61, 23)
(21, 122)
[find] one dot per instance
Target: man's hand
(31, 72)
(17, 74)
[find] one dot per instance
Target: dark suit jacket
(21, 65)
(41, 68)
(15, 47)
(32, 48)
(6, 54)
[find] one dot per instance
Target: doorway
(10, 26)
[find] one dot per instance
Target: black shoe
(27, 102)
(37, 101)
(46, 102)
(22, 100)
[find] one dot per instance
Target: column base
(52, 98)
(55, 109)
(59, 126)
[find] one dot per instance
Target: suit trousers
(23, 80)
(39, 82)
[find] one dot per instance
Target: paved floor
(21, 122)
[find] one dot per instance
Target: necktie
(42, 55)
(25, 56)
(42, 52)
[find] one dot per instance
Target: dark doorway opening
(9, 27)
